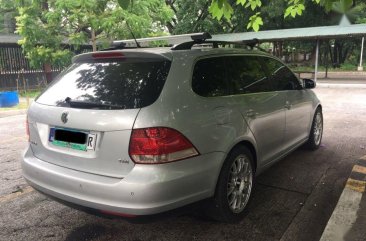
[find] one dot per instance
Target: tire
(232, 186)
(316, 131)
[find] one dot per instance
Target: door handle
(288, 105)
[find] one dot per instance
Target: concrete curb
(341, 86)
(348, 220)
(12, 113)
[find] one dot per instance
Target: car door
(298, 104)
(260, 104)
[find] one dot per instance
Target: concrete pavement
(8, 113)
(293, 200)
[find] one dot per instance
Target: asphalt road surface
(293, 200)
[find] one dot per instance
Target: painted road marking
(357, 178)
(356, 185)
(346, 212)
(15, 195)
(359, 169)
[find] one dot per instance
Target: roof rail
(201, 37)
(197, 39)
(171, 39)
(188, 45)
(114, 46)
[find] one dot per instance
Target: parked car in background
(140, 131)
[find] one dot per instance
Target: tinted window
(108, 84)
(246, 75)
(209, 77)
(279, 73)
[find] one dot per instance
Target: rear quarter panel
(211, 124)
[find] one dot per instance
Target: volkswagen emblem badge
(64, 116)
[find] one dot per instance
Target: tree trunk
(94, 43)
(330, 53)
(48, 72)
(326, 62)
(313, 54)
(280, 50)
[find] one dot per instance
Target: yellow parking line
(356, 185)
(15, 195)
(359, 169)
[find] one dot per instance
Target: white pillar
(360, 68)
(316, 60)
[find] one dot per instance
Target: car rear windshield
(108, 85)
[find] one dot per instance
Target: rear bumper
(147, 189)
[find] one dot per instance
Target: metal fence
(16, 72)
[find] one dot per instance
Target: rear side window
(209, 77)
(108, 85)
(246, 75)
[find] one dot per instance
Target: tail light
(159, 145)
(27, 127)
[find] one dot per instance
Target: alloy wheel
(239, 183)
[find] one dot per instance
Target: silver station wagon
(138, 131)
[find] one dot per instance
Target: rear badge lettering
(124, 161)
(90, 142)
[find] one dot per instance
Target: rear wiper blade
(88, 104)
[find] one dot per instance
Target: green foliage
(294, 8)
(49, 26)
(30, 93)
(348, 67)
(124, 3)
(255, 21)
(7, 14)
(220, 8)
(342, 6)
(190, 18)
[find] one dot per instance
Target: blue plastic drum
(9, 99)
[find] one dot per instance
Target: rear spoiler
(119, 55)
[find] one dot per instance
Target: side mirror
(308, 83)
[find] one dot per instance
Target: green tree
(192, 17)
(7, 16)
(289, 8)
(49, 27)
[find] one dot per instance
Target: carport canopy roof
(323, 32)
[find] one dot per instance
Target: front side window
(246, 75)
(281, 75)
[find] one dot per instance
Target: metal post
(360, 68)
(316, 60)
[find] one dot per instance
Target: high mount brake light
(159, 145)
(110, 55)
